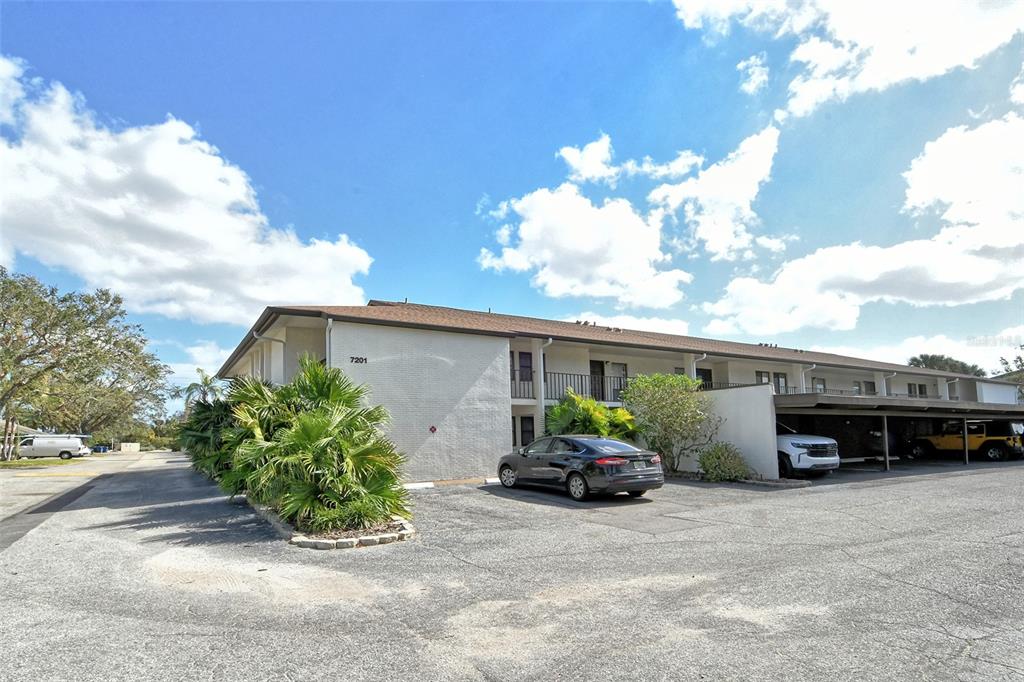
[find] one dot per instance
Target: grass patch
(35, 462)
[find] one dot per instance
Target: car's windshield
(781, 429)
(607, 446)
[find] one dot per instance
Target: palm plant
(311, 449)
(207, 389)
(577, 414)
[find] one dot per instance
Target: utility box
(129, 447)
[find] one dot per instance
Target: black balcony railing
(522, 384)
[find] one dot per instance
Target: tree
(945, 363)
(207, 389)
(1014, 368)
(71, 361)
(672, 414)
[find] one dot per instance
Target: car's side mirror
(522, 451)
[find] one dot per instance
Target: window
(26, 443)
(781, 383)
(525, 430)
(762, 377)
(818, 385)
(525, 366)
(563, 445)
(617, 379)
(538, 445)
(869, 388)
(922, 390)
(679, 370)
(607, 447)
(857, 389)
(705, 376)
(912, 390)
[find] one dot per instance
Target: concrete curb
(781, 483)
(288, 532)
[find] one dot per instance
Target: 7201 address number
(357, 360)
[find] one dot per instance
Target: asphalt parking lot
(150, 573)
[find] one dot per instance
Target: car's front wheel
(65, 455)
(921, 449)
(577, 487)
(507, 476)
(785, 466)
(637, 493)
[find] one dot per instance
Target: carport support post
(966, 456)
(885, 441)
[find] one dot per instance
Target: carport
(852, 419)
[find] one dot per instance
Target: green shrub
(309, 449)
(723, 462)
(577, 414)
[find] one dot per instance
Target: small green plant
(722, 461)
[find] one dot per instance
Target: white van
(52, 445)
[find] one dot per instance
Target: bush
(672, 414)
(309, 449)
(723, 462)
(577, 414)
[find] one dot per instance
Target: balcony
(609, 389)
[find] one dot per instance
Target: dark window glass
(525, 366)
(762, 377)
(526, 430)
(563, 445)
(869, 388)
(606, 446)
(781, 383)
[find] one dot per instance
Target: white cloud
(718, 203)
(755, 74)
(154, 213)
(11, 89)
(853, 47)
(972, 177)
(203, 354)
(664, 325)
(577, 248)
(1017, 89)
(593, 163)
(974, 350)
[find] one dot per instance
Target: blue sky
(406, 126)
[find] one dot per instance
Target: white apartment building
(464, 387)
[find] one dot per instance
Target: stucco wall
(749, 423)
(996, 393)
(299, 340)
(457, 383)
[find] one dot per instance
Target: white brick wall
(457, 383)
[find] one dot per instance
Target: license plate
(639, 464)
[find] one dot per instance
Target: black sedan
(583, 465)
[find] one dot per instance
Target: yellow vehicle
(993, 440)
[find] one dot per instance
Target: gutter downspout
(327, 349)
(885, 383)
(803, 376)
(540, 412)
(693, 368)
(948, 382)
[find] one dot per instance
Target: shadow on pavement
(554, 497)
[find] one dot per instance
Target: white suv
(801, 453)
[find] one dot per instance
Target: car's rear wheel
(921, 449)
(993, 452)
(785, 466)
(65, 455)
(507, 476)
(637, 493)
(577, 487)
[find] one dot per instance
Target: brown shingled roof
(471, 321)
